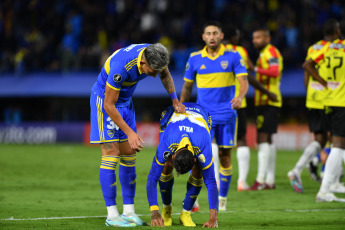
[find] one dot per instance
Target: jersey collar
(139, 59)
(220, 52)
(185, 142)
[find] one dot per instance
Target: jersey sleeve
(318, 56)
(239, 65)
(117, 75)
(189, 72)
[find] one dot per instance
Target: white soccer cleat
(222, 203)
(337, 187)
(328, 197)
(242, 186)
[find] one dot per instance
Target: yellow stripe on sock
(109, 162)
(225, 171)
(166, 178)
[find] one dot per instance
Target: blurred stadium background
(51, 52)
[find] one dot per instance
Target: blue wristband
(173, 96)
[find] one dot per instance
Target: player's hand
(272, 96)
(179, 107)
(236, 103)
(212, 223)
(135, 141)
(156, 219)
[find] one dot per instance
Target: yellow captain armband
(154, 208)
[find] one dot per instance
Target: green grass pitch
(39, 183)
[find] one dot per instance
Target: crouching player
(184, 144)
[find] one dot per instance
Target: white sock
(243, 158)
(215, 155)
(333, 164)
(263, 158)
(112, 212)
(309, 152)
(128, 208)
(271, 169)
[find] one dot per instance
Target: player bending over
(184, 144)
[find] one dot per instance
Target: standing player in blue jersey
(215, 70)
(113, 121)
(184, 144)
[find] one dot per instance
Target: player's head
(212, 34)
(233, 34)
(155, 59)
(183, 161)
(261, 37)
(331, 29)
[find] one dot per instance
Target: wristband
(173, 96)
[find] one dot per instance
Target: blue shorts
(226, 134)
(103, 129)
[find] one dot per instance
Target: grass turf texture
(39, 181)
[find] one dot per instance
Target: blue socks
(166, 184)
(107, 179)
(193, 189)
(225, 175)
(127, 176)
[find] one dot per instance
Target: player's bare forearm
(243, 80)
(186, 91)
(257, 85)
(167, 81)
(309, 66)
(306, 79)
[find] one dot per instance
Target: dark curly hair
(184, 161)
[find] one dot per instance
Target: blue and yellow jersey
(244, 54)
(315, 91)
(191, 130)
(122, 72)
(215, 80)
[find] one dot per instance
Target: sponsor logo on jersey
(117, 77)
(224, 64)
(203, 67)
(187, 66)
(202, 158)
(333, 84)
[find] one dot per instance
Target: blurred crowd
(68, 35)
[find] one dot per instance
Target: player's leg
(104, 131)
(271, 169)
(166, 182)
(243, 151)
(317, 121)
(335, 158)
(194, 185)
(127, 168)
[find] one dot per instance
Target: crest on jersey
(166, 155)
(242, 62)
(201, 158)
(224, 64)
(117, 77)
(111, 133)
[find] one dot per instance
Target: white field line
(86, 217)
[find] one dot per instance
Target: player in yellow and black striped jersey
(317, 118)
(333, 55)
(243, 151)
(268, 70)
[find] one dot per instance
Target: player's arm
(273, 68)
(110, 98)
(237, 101)
(309, 67)
(186, 91)
(168, 84)
(257, 85)
(306, 79)
(151, 191)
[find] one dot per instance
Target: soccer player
(215, 69)
(243, 151)
(314, 102)
(268, 70)
(184, 143)
(333, 54)
(113, 121)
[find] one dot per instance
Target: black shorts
(318, 121)
(241, 123)
(267, 119)
(336, 117)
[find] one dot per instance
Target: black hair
(330, 27)
(184, 161)
(212, 23)
(264, 29)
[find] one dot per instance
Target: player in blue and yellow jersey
(243, 151)
(113, 121)
(269, 67)
(317, 120)
(184, 144)
(215, 70)
(334, 101)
